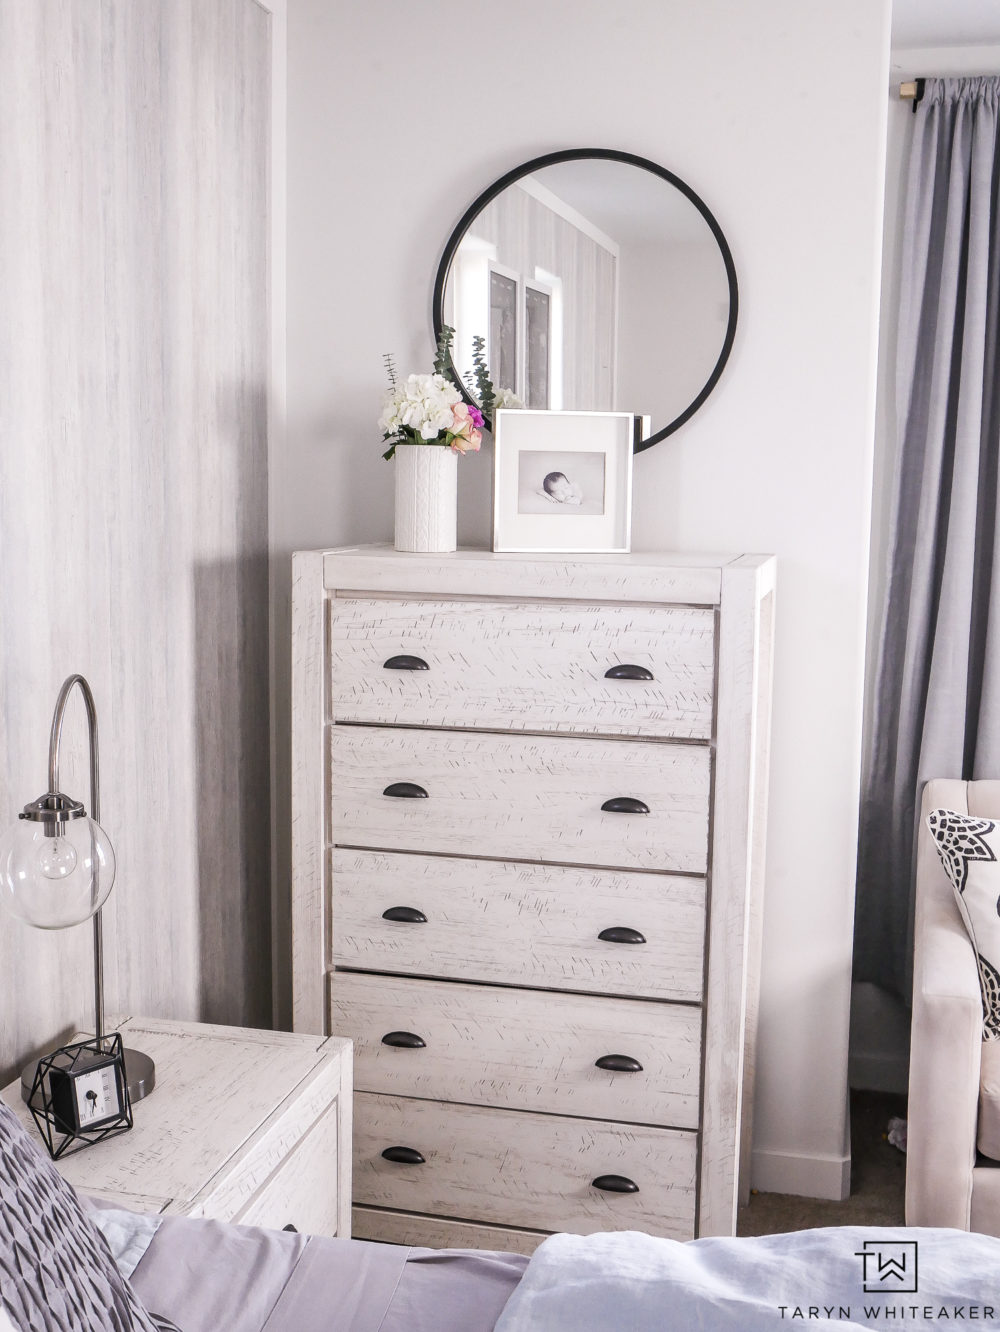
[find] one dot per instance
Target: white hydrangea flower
(423, 404)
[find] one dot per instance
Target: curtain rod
(912, 91)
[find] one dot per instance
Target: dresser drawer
(435, 1232)
(527, 1051)
(303, 1190)
(523, 667)
(291, 1170)
(530, 797)
(533, 1171)
(518, 924)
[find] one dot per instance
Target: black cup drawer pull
(622, 934)
(405, 791)
(618, 1064)
(625, 805)
(625, 672)
(404, 662)
(613, 1183)
(404, 1040)
(403, 1155)
(411, 915)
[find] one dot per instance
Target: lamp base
(140, 1074)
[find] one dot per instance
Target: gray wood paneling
(527, 235)
(133, 486)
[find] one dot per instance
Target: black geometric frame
(59, 1139)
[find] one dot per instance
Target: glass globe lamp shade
(55, 874)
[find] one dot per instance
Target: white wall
(775, 113)
(665, 361)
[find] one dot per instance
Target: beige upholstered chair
(944, 1185)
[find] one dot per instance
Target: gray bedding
(207, 1276)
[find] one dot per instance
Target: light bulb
(52, 882)
(56, 857)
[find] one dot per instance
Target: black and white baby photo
(559, 482)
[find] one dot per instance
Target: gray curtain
(937, 690)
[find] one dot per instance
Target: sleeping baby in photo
(557, 488)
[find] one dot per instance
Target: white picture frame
(562, 481)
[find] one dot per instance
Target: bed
(244, 1279)
(68, 1264)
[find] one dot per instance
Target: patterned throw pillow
(56, 1270)
(968, 848)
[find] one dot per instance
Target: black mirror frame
(607, 154)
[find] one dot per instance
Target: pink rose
(471, 445)
(466, 436)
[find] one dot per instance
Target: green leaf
(484, 384)
(442, 358)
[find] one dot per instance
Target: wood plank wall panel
(133, 487)
(528, 235)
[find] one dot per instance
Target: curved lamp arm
(55, 738)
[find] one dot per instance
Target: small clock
(87, 1095)
(80, 1095)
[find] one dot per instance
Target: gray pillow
(56, 1270)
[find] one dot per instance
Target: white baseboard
(804, 1176)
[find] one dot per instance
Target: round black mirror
(599, 281)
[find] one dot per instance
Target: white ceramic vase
(426, 497)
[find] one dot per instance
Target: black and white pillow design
(56, 1270)
(969, 848)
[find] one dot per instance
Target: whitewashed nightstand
(246, 1126)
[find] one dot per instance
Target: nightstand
(243, 1125)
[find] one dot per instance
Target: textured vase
(426, 497)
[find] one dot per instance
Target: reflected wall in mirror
(600, 282)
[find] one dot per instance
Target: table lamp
(57, 867)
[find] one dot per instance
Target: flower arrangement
(429, 409)
(506, 398)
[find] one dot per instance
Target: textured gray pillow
(969, 847)
(56, 1270)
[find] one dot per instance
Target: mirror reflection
(600, 283)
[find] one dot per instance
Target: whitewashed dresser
(528, 808)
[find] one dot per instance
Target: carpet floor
(878, 1176)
